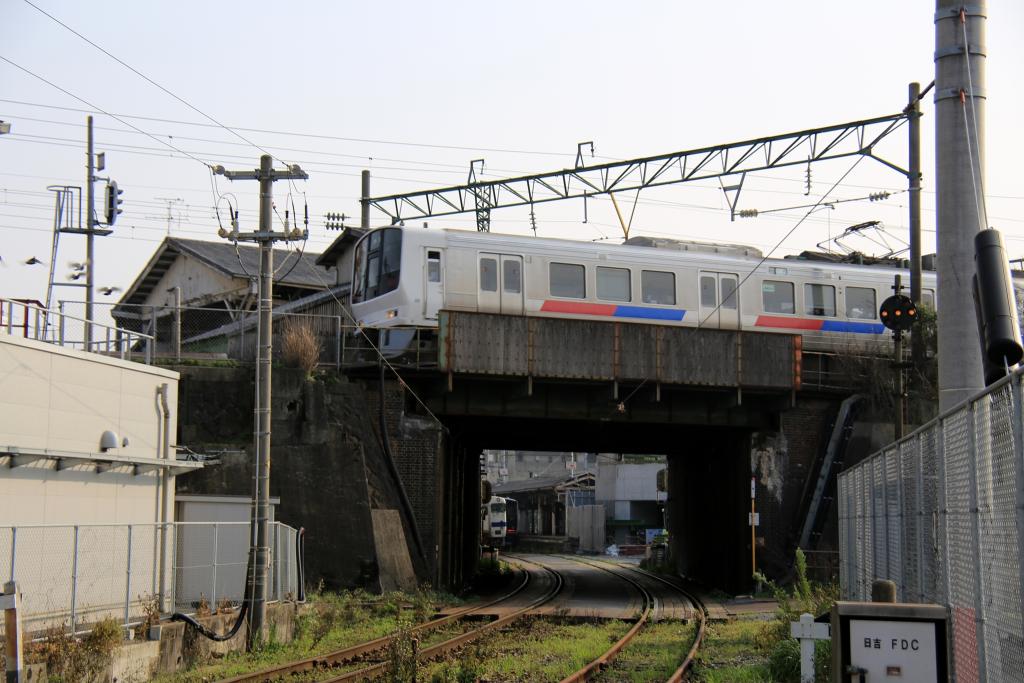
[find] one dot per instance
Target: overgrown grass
(729, 654)
(330, 621)
(653, 655)
(531, 650)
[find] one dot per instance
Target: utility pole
(914, 185)
(265, 238)
(364, 202)
(959, 172)
(90, 260)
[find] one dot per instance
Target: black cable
(207, 633)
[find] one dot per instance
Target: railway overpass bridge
(525, 383)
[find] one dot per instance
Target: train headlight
(393, 313)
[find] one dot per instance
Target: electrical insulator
(878, 196)
(748, 213)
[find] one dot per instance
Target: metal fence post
(972, 506)
(60, 322)
(173, 549)
(337, 342)
(921, 520)
(74, 582)
(941, 549)
(14, 549)
(277, 558)
(213, 591)
(128, 578)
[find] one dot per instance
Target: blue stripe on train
(649, 313)
(860, 328)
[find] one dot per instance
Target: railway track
(322, 666)
(602, 662)
(343, 656)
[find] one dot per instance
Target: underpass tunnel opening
(585, 486)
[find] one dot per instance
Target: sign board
(757, 519)
(890, 641)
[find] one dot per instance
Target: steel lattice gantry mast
(778, 151)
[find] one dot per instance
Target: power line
(307, 135)
(150, 80)
(113, 116)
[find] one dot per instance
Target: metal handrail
(37, 323)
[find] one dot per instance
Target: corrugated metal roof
(538, 483)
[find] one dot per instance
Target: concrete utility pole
(914, 185)
(364, 202)
(90, 206)
(265, 237)
(959, 173)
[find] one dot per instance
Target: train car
(403, 276)
(493, 522)
(511, 522)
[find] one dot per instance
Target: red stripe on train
(788, 323)
(577, 308)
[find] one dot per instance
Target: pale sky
(414, 91)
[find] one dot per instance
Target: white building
(631, 499)
(86, 476)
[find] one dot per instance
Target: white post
(10, 602)
(807, 631)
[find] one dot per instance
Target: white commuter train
(403, 276)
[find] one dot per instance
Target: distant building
(215, 284)
(501, 467)
(631, 499)
(338, 256)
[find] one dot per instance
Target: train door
(501, 284)
(433, 287)
(719, 300)
(511, 284)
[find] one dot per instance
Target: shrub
(300, 346)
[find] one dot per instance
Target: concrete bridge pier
(707, 509)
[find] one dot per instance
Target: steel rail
(605, 659)
(371, 672)
(349, 653)
(702, 614)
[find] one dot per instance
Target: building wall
(199, 283)
(63, 400)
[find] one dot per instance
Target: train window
(820, 300)
(860, 303)
(777, 297)
(657, 287)
(728, 292)
(488, 275)
(378, 263)
(567, 279)
(613, 284)
(708, 293)
(513, 276)
(433, 266)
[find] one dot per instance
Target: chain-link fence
(73, 576)
(941, 513)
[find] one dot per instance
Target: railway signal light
(898, 312)
(113, 202)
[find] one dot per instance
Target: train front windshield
(378, 264)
